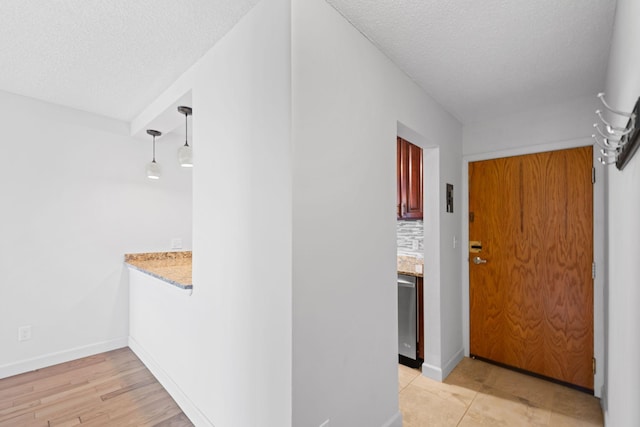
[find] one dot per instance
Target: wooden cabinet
(409, 169)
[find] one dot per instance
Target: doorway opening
(410, 253)
(430, 328)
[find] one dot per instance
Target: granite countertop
(171, 267)
(175, 267)
(410, 265)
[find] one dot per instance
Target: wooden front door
(531, 303)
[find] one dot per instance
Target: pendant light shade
(153, 168)
(185, 154)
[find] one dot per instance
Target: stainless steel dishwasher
(408, 321)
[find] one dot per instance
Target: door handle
(406, 284)
(477, 260)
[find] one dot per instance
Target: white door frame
(598, 244)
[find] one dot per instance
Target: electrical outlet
(325, 424)
(176, 243)
(418, 268)
(24, 333)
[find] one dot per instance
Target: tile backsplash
(410, 238)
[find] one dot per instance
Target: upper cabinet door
(399, 171)
(409, 180)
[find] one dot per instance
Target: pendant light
(153, 169)
(185, 154)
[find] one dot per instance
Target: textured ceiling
(477, 58)
(111, 57)
(480, 58)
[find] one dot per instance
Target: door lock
(477, 260)
(475, 247)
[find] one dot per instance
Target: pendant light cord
(154, 148)
(186, 131)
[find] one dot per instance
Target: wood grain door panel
(399, 178)
(531, 304)
(414, 188)
(410, 184)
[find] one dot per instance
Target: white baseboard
(395, 421)
(188, 407)
(452, 363)
(440, 373)
(51, 359)
(432, 371)
(604, 404)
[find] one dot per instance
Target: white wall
(623, 370)
(161, 338)
(348, 100)
(75, 199)
(242, 222)
(558, 123)
(231, 358)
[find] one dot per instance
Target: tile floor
(480, 394)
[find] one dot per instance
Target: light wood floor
(108, 389)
